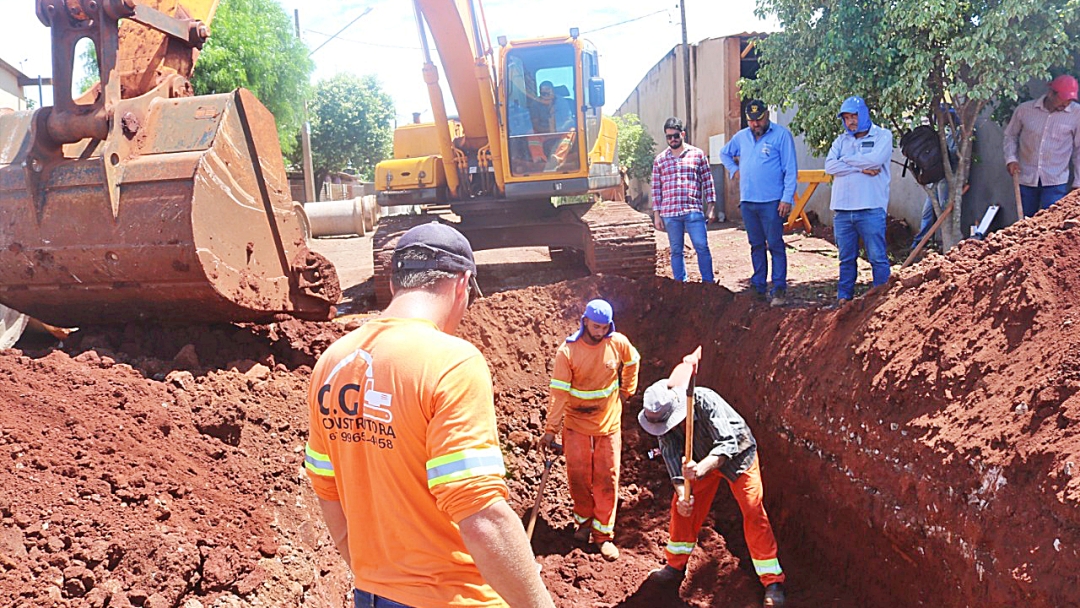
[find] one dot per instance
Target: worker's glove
(546, 441)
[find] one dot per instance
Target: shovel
(549, 459)
(1019, 199)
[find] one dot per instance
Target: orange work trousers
(592, 471)
(747, 490)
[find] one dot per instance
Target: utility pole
(686, 67)
(305, 140)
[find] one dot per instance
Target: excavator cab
(559, 143)
(141, 202)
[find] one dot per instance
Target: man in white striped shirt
(1040, 141)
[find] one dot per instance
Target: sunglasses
(673, 135)
(474, 292)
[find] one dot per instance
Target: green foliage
(350, 125)
(253, 45)
(907, 57)
(88, 55)
(635, 147)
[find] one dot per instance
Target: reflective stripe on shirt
(580, 394)
(465, 464)
(317, 463)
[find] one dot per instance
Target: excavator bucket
(203, 229)
(160, 207)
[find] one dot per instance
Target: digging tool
(549, 459)
(1019, 199)
(686, 373)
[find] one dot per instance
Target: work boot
(779, 298)
(774, 596)
(608, 550)
(667, 576)
(583, 532)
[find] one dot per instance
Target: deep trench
(845, 486)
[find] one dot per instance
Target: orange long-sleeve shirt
(587, 384)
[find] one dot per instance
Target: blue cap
(597, 311)
(856, 105)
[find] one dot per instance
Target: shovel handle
(549, 460)
(1019, 199)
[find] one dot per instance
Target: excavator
(141, 202)
(524, 161)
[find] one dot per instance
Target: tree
(350, 125)
(910, 59)
(635, 147)
(253, 45)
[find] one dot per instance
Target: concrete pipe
(336, 218)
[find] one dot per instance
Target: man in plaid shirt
(682, 185)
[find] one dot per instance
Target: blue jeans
(692, 223)
(363, 599)
(928, 214)
(1038, 197)
(765, 229)
(848, 228)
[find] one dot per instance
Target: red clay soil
(919, 446)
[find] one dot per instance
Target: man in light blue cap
(596, 369)
(859, 163)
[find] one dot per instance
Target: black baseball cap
(447, 249)
(756, 109)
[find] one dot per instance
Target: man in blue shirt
(859, 164)
(765, 152)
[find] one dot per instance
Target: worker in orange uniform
(596, 369)
(403, 450)
(724, 450)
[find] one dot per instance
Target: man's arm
(708, 188)
(1076, 156)
(791, 168)
(1010, 139)
(334, 516)
(834, 165)
(878, 157)
(498, 545)
(559, 388)
(729, 156)
(630, 364)
(657, 194)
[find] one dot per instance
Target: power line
(625, 22)
(327, 41)
(385, 46)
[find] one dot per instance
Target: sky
(631, 36)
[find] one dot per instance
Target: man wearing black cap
(724, 450)
(403, 450)
(763, 155)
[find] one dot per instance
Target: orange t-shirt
(586, 388)
(403, 434)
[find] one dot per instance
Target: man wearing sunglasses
(403, 450)
(682, 185)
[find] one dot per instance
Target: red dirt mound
(919, 447)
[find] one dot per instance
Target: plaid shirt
(680, 184)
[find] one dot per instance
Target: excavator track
(622, 241)
(615, 238)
